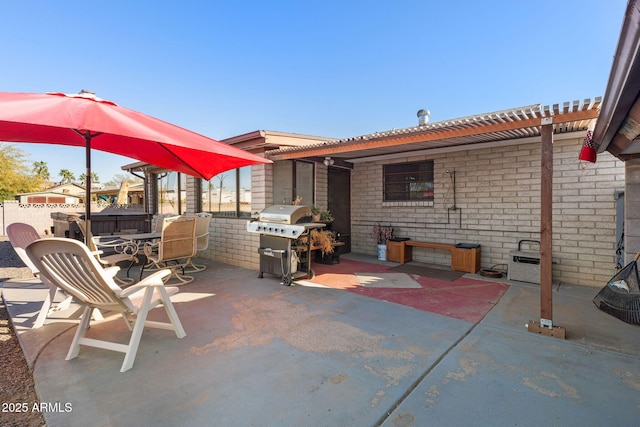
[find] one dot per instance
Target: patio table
(140, 238)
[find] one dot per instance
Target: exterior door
(339, 203)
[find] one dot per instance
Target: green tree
(15, 177)
(66, 175)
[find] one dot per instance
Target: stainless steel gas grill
(279, 226)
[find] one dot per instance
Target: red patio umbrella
(85, 120)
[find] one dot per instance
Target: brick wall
(229, 241)
(39, 215)
(321, 200)
(632, 209)
(497, 202)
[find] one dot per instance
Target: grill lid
(285, 214)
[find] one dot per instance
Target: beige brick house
(484, 184)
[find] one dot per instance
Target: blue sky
(331, 68)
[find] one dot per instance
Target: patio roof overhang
(534, 123)
(618, 128)
(501, 127)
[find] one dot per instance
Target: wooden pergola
(514, 126)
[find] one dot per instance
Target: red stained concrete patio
(465, 298)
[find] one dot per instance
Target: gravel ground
(17, 389)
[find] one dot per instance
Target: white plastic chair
(70, 265)
(203, 219)
(20, 236)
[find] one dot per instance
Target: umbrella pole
(87, 183)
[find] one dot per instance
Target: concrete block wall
(193, 189)
(632, 209)
(321, 199)
(229, 241)
(497, 203)
(38, 215)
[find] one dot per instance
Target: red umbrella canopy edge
(56, 118)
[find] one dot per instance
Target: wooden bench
(462, 259)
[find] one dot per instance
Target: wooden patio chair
(175, 247)
(69, 265)
(20, 236)
(203, 219)
(112, 250)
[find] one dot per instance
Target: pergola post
(546, 326)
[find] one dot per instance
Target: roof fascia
(624, 81)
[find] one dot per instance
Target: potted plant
(315, 213)
(318, 215)
(382, 233)
(325, 216)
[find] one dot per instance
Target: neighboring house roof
(255, 142)
(619, 123)
(114, 189)
(48, 193)
(260, 140)
(516, 124)
(67, 189)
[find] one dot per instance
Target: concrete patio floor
(259, 353)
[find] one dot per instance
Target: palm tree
(41, 170)
(94, 178)
(66, 175)
(42, 176)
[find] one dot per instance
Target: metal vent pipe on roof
(423, 117)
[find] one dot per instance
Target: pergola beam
(459, 131)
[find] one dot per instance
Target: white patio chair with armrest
(20, 236)
(70, 265)
(120, 250)
(175, 247)
(203, 219)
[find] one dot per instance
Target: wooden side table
(398, 252)
(465, 259)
